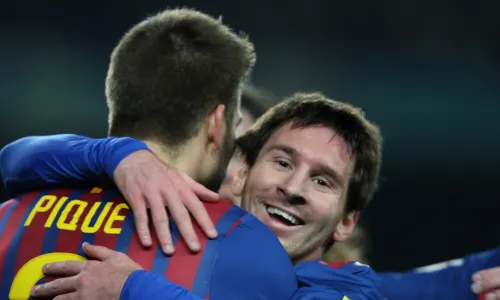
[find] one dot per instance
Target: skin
(307, 171)
(304, 172)
(226, 189)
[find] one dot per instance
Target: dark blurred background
(426, 71)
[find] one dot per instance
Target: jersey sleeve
(449, 280)
(148, 285)
(64, 159)
(252, 264)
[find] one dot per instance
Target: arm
(442, 281)
(147, 285)
(144, 180)
(38, 161)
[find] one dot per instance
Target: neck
(313, 255)
(183, 159)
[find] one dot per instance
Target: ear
(345, 226)
(239, 180)
(216, 126)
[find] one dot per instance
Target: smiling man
(298, 185)
(311, 164)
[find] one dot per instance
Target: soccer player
(443, 281)
(174, 82)
(311, 164)
(449, 280)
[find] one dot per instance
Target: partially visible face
(298, 188)
(227, 149)
(247, 121)
(237, 160)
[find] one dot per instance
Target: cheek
(255, 186)
(264, 176)
(326, 208)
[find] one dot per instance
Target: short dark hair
(256, 100)
(170, 71)
(309, 109)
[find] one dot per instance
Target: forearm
(450, 280)
(147, 285)
(38, 161)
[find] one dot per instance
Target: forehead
(317, 145)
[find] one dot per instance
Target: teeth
(285, 215)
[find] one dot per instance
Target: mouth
(283, 217)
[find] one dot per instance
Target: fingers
(98, 252)
(161, 224)
(138, 206)
(182, 218)
(201, 191)
(486, 280)
(54, 288)
(493, 295)
(65, 268)
(147, 183)
(199, 212)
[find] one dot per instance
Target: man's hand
(147, 182)
(94, 279)
(487, 282)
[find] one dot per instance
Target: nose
(292, 189)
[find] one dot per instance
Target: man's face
(247, 121)
(298, 188)
(237, 160)
(226, 150)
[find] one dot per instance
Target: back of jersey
(50, 225)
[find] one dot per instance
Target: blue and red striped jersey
(50, 225)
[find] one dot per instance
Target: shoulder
(259, 264)
(229, 218)
(223, 209)
(348, 278)
(254, 239)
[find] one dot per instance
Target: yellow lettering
(71, 225)
(31, 272)
(115, 216)
(86, 228)
(53, 213)
(53, 205)
(42, 205)
(96, 190)
(345, 298)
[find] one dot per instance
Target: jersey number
(31, 272)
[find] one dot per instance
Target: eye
(321, 182)
(282, 163)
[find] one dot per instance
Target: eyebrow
(322, 170)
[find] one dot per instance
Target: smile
(283, 216)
